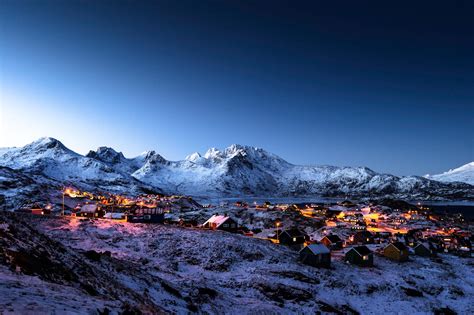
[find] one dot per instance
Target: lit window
(365, 257)
(294, 239)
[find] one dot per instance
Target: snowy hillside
(464, 174)
(50, 159)
(243, 170)
(157, 268)
(235, 171)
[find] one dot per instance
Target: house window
(226, 225)
(147, 217)
(294, 239)
(365, 257)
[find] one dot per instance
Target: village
(347, 231)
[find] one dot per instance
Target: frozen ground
(24, 294)
(190, 270)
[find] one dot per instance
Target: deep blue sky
(384, 84)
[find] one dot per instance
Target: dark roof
(399, 245)
(301, 205)
(333, 238)
(317, 249)
(294, 232)
(362, 250)
(426, 245)
(364, 234)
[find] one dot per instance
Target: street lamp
(278, 235)
(62, 213)
(65, 191)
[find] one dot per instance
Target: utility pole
(63, 203)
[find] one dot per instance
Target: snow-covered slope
(243, 170)
(463, 174)
(49, 158)
(235, 171)
(175, 270)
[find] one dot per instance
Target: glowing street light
(278, 223)
(64, 192)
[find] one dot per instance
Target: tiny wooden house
(332, 241)
(424, 249)
(292, 237)
(360, 256)
(222, 223)
(146, 215)
(396, 251)
(316, 255)
(363, 237)
(90, 211)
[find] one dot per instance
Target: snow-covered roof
(89, 208)
(217, 220)
(398, 245)
(333, 238)
(318, 249)
(362, 250)
(293, 232)
(338, 208)
(114, 215)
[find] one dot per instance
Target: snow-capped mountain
(463, 174)
(235, 171)
(243, 170)
(52, 163)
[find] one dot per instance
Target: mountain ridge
(464, 173)
(238, 170)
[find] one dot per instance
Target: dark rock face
(26, 250)
(412, 292)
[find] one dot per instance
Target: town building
(222, 223)
(424, 249)
(396, 251)
(291, 237)
(332, 241)
(316, 255)
(90, 211)
(360, 256)
(146, 215)
(363, 237)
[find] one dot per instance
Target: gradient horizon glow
(389, 86)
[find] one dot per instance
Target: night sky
(383, 84)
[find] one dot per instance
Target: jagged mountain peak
(239, 150)
(152, 157)
(148, 154)
(213, 153)
(229, 152)
(106, 154)
(234, 171)
(45, 143)
(193, 157)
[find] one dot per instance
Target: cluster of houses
(356, 231)
(318, 254)
(141, 209)
(360, 232)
